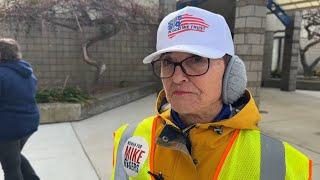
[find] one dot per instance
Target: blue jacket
(19, 114)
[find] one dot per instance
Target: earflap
(234, 80)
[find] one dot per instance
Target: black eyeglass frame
(180, 65)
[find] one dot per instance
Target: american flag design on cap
(186, 22)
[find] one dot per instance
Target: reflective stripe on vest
(272, 163)
(120, 173)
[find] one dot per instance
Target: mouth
(181, 93)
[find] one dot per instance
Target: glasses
(191, 66)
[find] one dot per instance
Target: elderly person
(19, 114)
(206, 121)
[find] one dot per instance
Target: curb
(68, 112)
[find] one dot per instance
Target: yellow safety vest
(146, 130)
(249, 155)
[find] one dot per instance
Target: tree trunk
(303, 58)
(100, 67)
(315, 62)
(307, 69)
(305, 66)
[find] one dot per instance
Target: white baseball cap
(193, 30)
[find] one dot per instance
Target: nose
(179, 76)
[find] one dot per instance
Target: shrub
(275, 74)
(68, 94)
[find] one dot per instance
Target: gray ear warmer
(234, 80)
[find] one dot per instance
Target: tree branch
(86, 58)
(309, 45)
(311, 34)
(104, 21)
(68, 26)
(103, 35)
(303, 58)
(315, 62)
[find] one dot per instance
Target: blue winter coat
(19, 114)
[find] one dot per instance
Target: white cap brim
(192, 49)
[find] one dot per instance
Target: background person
(19, 114)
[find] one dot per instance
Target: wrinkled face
(193, 94)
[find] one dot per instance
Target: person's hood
(246, 113)
(22, 67)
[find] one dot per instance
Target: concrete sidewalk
(294, 117)
(83, 150)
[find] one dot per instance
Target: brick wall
(249, 40)
(56, 54)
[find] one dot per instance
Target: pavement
(294, 117)
(83, 150)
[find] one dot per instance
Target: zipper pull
(217, 129)
(156, 176)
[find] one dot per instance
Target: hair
(9, 50)
(226, 58)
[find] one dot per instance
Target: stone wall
(56, 54)
(249, 40)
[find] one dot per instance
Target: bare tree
(312, 26)
(108, 16)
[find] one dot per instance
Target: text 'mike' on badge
(134, 154)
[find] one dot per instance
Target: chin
(184, 104)
(184, 108)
